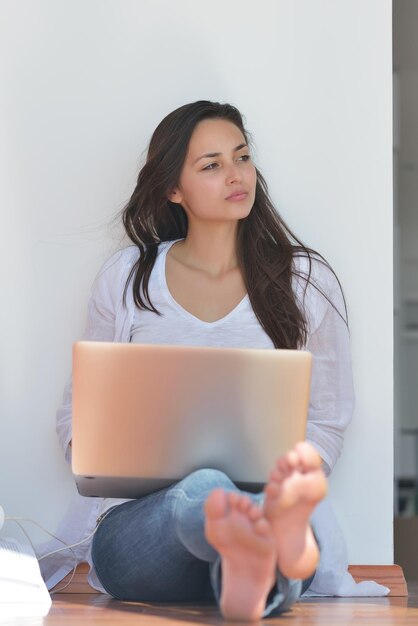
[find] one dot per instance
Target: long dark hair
(266, 247)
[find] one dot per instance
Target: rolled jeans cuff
(280, 599)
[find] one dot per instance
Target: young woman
(213, 264)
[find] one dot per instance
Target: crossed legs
(161, 547)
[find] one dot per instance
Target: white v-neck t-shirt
(240, 328)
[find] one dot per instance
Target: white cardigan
(330, 410)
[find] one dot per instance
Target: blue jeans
(154, 549)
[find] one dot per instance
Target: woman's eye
(213, 166)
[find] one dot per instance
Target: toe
(283, 467)
(244, 504)
(216, 504)
(262, 527)
(292, 458)
(254, 513)
(272, 490)
(276, 475)
(233, 499)
(308, 456)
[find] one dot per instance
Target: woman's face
(218, 178)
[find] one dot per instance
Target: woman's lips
(238, 196)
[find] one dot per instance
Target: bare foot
(235, 527)
(295, 487)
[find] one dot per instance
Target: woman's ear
(175, 196)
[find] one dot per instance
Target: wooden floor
(91, 609)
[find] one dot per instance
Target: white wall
(84, 84)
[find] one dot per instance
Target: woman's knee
(204, 480)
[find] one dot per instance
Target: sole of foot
(296, 485)
(236, 528)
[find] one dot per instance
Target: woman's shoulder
(111, 278)
(117, 268)
(311, 269)
(120, 260)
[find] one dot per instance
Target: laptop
(145, 416)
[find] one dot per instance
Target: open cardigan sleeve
(332, 396)
(105, 310)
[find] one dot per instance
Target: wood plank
(389, 575)
(97, 610)
(78, 584)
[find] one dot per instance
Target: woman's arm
(105, 298)
(332, 394)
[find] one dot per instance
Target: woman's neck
(212, 250)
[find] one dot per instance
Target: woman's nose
(233, 174)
